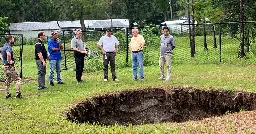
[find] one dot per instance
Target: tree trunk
(241, 48)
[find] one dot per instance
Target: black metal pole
(205, 43)
(220, 41)
(127, 46)
(189, 24)
(65, 57)
(214, 37)
(21, 52)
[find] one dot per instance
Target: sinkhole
(154, 105)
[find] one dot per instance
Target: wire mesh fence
(93, 60)
(17, 52)
(214, 44)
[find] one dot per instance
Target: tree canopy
(141, 11)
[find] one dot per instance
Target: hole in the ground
(151, 105)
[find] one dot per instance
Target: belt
(137, 51)
(109, 52)
(8, 64)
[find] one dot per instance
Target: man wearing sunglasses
(40, 57)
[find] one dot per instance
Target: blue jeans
(137, 60)
(55, 64)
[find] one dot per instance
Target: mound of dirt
(151, 105)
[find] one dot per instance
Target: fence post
(220, 40)
(21, 52)
(127, 46)
(65, 57)
(214, 37)
(205, 43)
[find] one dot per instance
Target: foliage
(3, 24)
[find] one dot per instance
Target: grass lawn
(44, 111)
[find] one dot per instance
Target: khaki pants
(11, 75)
(162, 60)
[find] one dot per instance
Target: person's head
(166, 31)
(135, 32)
(109, 32)
(10, 39)
(41, 35)
(78, 33)
(55, 36)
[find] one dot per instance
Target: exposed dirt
(151, 105)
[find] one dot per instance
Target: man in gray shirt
(108, 44)
(167, 45)
(79, 53)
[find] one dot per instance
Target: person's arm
(50, 45)
(9, 56)
(173, 43)
(116, 45)
(39, 53)
(142, 42)
(130, 47)
(100, 46)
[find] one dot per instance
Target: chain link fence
(93, 60)
(214, 44)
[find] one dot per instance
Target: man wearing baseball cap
(108, 44)
(54, 47)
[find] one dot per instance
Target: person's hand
(61, 47)
(103, 51)
(115, 51)
(44, 63)
(11, 62)
(84, 52)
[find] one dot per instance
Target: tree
(3, 24)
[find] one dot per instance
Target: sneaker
(8, 95)
(18, 95)
(40, 88)
(60, 82)
(161, 78)
(116, 79)
(135, 79)
(80, 81)
(105, 79)
(51, 83)
(167, 79)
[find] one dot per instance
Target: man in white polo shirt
(108, 44)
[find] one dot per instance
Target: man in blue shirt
(54, 47)
(11, 73)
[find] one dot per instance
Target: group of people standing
(108, 44)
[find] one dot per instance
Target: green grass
(44, 111)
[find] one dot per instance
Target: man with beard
(10, 72)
